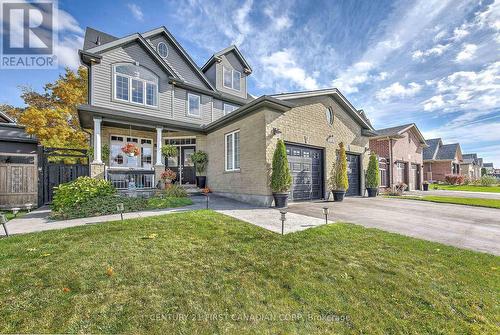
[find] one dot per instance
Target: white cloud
(282, 64)
(241, 22)
(67, 23)
(136, 11)
(435, 102)
(467, 53)
(460, 32)
(398, 90)
(279, 22)
(434, 51)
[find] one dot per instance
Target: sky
(432, 62)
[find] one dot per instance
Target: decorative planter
(201, 181)
(338, 195)
(280, 200)
(426, 187)
(372, 191)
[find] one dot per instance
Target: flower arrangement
(168, 175)
(205, 190)
(131, 150)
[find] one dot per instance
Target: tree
(281, 179)
(373, 173)
(338, 179)
(52, 115)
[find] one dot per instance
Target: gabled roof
(468, 156)
(231, 48)
(94, 38)
(397, 132)
(333, 92)
(470, 159)
(488, 165)
(439, 151)
(433, 146)
(141, 38)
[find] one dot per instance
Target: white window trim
(231, 106)
(189, 107)
(225, 69)
(233, 147)
(125, 142)
(158, 49)
(144, 90)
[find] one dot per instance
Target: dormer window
(232, 78)
(135, 84)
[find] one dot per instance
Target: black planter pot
(280, 200)
(201, 181)
(426, 187)
(372, 191)
(338, 195)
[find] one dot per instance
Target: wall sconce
(276, 131)
(330, 139)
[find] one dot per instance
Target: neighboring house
(489, 168)
(18, 165)
(471, 166)
(145, 89)
(400, 155)
(441, 160)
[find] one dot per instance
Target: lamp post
(15, 211)
(3, 221)
(325, 213)
(283, 219)
(120, 208)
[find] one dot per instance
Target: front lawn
(478, 202)
(471, 188)
(205, 273)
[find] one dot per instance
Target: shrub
(174, 191)
(488, 180)
(281, 178)
(454, 179)
(80, 190)
(338, 179)
(373, 173)
(398, 189)
(200, 160)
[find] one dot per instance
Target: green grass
(228, 277)
(472, 188)
(9, 215)
(478, 202)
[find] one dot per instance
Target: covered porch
(111, 130)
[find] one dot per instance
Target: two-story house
(145, 89)
(471, 166)
(400, 152)
(441, 160)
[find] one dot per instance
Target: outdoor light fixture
(15, 211)
(325, 213)
(119, 208)
(28, 207)
(283, 219)
(207, 199)
(276, 131)
(3, 221)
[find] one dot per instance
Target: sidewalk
(268, 218)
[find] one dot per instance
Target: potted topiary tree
(200, 160)
(372, 176)
(281, 179)
(339, 182)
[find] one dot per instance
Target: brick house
(441, 160)
(400, 155)
(146, 90)
(471, 166)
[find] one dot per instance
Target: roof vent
(98, 40)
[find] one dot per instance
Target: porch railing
(123, 179)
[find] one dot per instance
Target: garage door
(306, 167)
(353, 168)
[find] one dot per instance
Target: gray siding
(211, 75)
(180, 107)
(177, 62)
(230, 61)
(218, 109)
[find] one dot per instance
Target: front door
(183, 165)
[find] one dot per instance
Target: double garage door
(306, 167)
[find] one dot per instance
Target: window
(329, 115)
(194, 105)
(229, 108)
(232, 78)
(232, 145)
(119, 159)
(136, 84)
(162, 50)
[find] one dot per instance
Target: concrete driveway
(457, 225)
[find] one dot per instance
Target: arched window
(135, 84)
(329, 115)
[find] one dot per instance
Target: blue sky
(436, 63)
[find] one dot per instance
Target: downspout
(391, 163)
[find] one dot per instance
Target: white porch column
(159, 144)
(97, 140)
